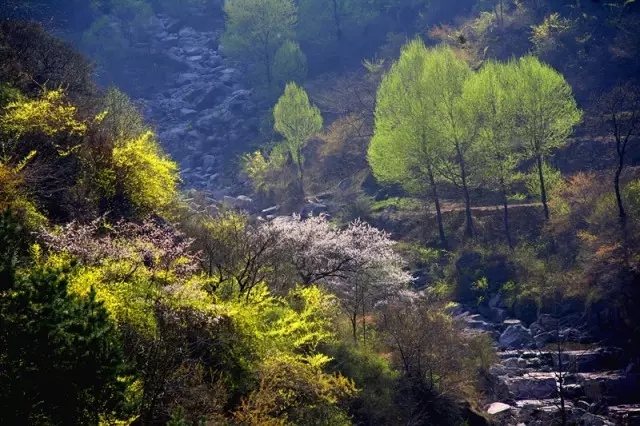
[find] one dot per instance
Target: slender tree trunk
(301, 174)
(436, 201)
(364, 325)
(354, 325)
(300, 171)
(616, 183)
(465, 188)
(543, 190)
(505, 205)
(336, 17)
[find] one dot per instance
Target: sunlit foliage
(297, 120)
(149, 177)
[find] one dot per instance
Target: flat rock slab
(498, 407)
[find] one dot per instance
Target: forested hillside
(319, 212)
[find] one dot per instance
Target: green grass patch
(400, 203)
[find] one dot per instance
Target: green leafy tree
(255, 31)
(547, 113)
(490, 95)
(60, 355)
(328, 20)
(289, 64)
(297, 120)
(451, 118)
(405, 149)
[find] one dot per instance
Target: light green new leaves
(490, 94)
(406, 142)
(547, 111)
(296, 119)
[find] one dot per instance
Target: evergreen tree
(60, 355)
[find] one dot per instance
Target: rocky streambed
(553, 369)
(201, 107)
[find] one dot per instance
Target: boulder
(498, 407)
(271, 210)
(532, 386)
(240, 202)
(214, 95)
(516, 337)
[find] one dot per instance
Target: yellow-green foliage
(257, 168)
(266, 174)
(544, 34)
(295, 324)
(13, 194)
(293, 392)
(129, 290)
(50, 114)
(149, 177)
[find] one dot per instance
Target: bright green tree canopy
(490, 95)
(405, 145)
(296, 119)
(547, 111)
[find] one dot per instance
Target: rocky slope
(201, 106)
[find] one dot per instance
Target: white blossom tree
(357, 263)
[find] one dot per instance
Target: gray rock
(208, 161)
(312, 209)
(516, 337)
(271, 210)
(187, 32)
(532, 386)
(498, 407)
(542, 339)
(186, 112)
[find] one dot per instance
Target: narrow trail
(446, 208)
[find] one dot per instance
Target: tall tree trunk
(436, 201)
(505, 204)
(465, 188)
(336, 17)
(364, 324)
(354, 325)
(543, 190)
(622, 214)
(300, 168)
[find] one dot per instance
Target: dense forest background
(319, 212)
